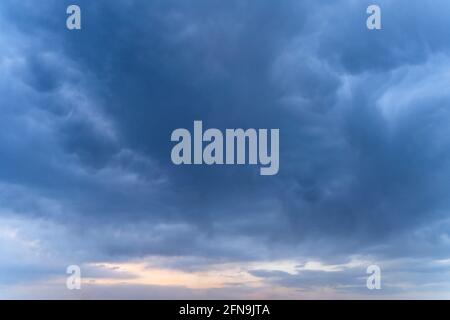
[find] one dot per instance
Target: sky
(86, 176)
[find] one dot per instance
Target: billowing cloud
(85, 170)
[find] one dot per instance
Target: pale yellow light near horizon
(142, 274)
(213, 276)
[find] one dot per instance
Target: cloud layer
(85, 170)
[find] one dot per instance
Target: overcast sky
(86, 176)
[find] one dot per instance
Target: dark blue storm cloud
(363, 117)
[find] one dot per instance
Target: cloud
(87, 117)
